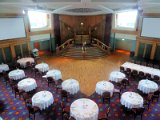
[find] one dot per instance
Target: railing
(64, 46)
(101, 45)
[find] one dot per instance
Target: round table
(16, 74)
(71, 86)
(131, 100)
(84, 109)
(43, 67)
(147, 86)
(27, 84)
(116, 76)
(42, 99)
(23, 61)
(104, 86)
(4, 67)
(55, 74)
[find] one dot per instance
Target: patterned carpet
(15, 107)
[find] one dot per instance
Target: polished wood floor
(87, 72)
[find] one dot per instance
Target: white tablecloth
(142, 68)
(116, 76)
(104, 86)
(71, 86)
(16, 74)
(42, 99)
(131, 100)
(147, 86)
(84, 109)
(55, 74)
(43, 67)
(23, 61)
(27, 84)
(4, 67)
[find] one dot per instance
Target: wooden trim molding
(40, 32)
(148, 40)
(124, 32)
(151, 14)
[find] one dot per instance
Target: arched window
(37, 19)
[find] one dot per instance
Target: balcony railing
(101, 45)
(64, 46)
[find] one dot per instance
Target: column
(153, 51)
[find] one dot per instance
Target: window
(126, 19)
(37, 19)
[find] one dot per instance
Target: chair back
(122, 69)
(28, 64)
(141, 73)
(148, 76)
(106, 95)
(64, 93)
(156, 77)
(156, 92)
(128, 70)
(156, 66)
(16, 88)
(134, 72)
(30, 108)
(140, 111)
(50, 79)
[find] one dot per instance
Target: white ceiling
(79, 7)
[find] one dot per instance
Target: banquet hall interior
(79, 60)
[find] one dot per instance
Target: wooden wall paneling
(3, 54)
(137, 48)
(148, 51)
(153, 51)
(13, 51)
(8, 54)
(141, 50)
(57, 29)
(107, 28)
(21, 50)
(29, 48)
(157, 53)
(17, 51)
(144, 52)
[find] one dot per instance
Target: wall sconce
(82, 23)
